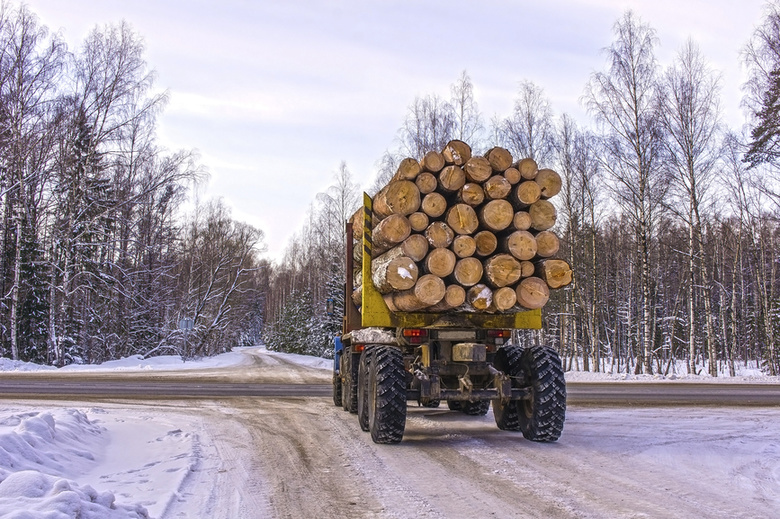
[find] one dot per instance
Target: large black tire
(429, 403)
(349, 386)
(475, 408)
(386, 395)
(336, 390)
(509, 360)
(542, 416)
(362, 386)
(454, 405)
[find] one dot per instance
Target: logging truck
(417, 340)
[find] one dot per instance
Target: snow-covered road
(296, 457)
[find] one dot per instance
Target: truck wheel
(429, 403)
(349, 386)
(386, 395)
(542, 416)
(509, 360)
(454, 405)
(336, 390)
(475, 408)
(362, 386)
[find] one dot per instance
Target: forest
(669, 217)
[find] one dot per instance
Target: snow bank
(40, 453)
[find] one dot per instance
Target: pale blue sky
(275, 94)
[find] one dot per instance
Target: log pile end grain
(455, 232)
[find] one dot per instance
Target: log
(527, 168)
(467, 272)
(549, 183)
(521, 244)
(464, 246)
(408, 169)
(426, 182)
(432, 162)
(434, 205)
(502, 270)
(389, 232)
(454, 296)
(504, 298)
(398, 197)
(357, 225)
(462, 218)
(428, 291)
(471, 194)
(451, 179)
(477, 169)
(547, 244)
(555, 272)
(496, 215)
(532, 293)
(500, 159)
(525, 193)
(439, 234)
(497, 187)
(521, 221)
(390, 273)
(543, 215)
(440, 262)
(357, 296)
(419, 221)
(513, 176)
(486, 243)
(415, 247)
(480, 297)
(456, 152)
(527, 269)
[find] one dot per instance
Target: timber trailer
(384, 359)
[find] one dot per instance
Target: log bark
(408, 169)
(357, 296)
(500, 159)
(467, 272)
(456, 152)
(525, 193)
(555, 272)
(513, 176)
(399, 197)
(454, 296)
(497, 187)
(419, 221)
(440, 262)
(486, 243)
(433, 161)
(527, 168)
(464, 246)
(496, 215)
(543, 215)
(462, 218)
(521, 244)
(391, 273)
(477, 169)
(532, 293)
(428, 291)
(471, 194)
(389, 232)
(480, 297)
(549, 183)
(504, 299)
(426, 182)
(451, 179)
(547, 244)
(439, 234)
(502, 270)
(434, 205)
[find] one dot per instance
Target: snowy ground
(122, 459)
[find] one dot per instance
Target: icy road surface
(295, 457)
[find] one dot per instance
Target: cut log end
(532, 293)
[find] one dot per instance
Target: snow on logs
(456, 232)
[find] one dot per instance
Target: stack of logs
(452, 231)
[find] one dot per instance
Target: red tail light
(415, 335)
